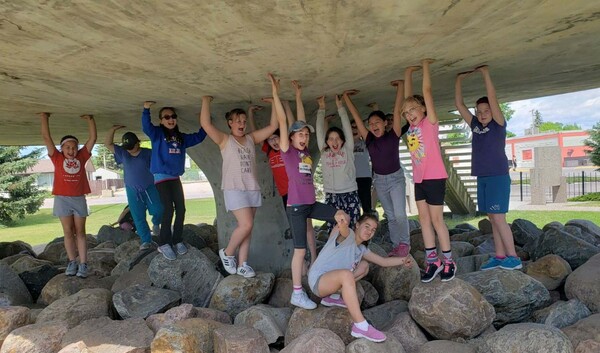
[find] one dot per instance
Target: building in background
(571, 143)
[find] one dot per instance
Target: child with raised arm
(167, 165)
(489, 165)
(362, 165)
(337, 162)
(341, 263)
(239, 183)
(388, 174)
(429, 174)
(69, 189)
(141, 192)
(301, 203)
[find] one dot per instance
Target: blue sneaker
(511, 263)
(492, 263)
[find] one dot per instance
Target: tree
(554, 126)
(104, 158)
(18, 194)
(594, 143)
(507, 111)
(537, 118)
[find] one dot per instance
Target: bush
(594, 196)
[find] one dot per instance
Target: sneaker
(490, 264)
(71, 268)
(432, 269)
(228, 262)
(167, 252)
(303, 301)
(181, 248)
(156, 230)
(148, 245)
(246, 271)
(511, 263)
(372, 334)
(82, 270)
(449, 271)
(329, 301)
(402, 250)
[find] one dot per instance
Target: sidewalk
(195, 190)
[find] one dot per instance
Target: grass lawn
(42, 227)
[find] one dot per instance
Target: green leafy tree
(18, 194)
(554, 126)
(104, 158)
(593, 142)
(507, 111)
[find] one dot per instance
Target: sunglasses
(169, 117)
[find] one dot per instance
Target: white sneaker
(246, 271)
(303, 301)
(228, 262)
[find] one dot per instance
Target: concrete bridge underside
(106, 57)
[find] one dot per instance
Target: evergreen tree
(537, 118)
(594, 143)
(18, 194)
(104, 158)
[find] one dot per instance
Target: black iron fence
(578, 184)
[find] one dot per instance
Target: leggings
(171, 196)
(364, 193)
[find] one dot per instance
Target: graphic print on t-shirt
(305, 165)
(71, 166)
(245, 159)
(414, 141)
(173, 144)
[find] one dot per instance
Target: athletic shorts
(65, 206)
(237, 199)
(314, 287)
(493, 193)
(432, 191)
(297, 215)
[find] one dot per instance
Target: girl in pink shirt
(429, 174)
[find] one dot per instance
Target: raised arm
(284, 140)
(321, 124)
(44, 117)
(299, 105)
(362, 130)
(387, 261)
(147, 126)
(397, 125)
(491, 94)
(427, 92)
(92, 133)
(459, 100)
(346, 127)
(251, 122)
(259, 136)
(205, 121)
(110, 136)
(288, 112)
(408, 84)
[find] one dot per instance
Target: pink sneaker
(329, 301)
(372, 334)
(402, 250)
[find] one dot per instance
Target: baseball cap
(129, 140)
(299, 125)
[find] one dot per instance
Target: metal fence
(578, 184)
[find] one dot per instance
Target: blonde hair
(418, 99)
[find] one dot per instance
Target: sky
(581, 107)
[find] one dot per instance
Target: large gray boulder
(12, 317)
(514, 295)
(524, 231)
(193, 235)
(116, 235)
(584, 284)
(316, 340)
(15, 247)
(127, 250)
(281, 293)
(178, 313)
(28, 262)
(83, 305)
(381, 316)
(471, 263)
(62, 286)
(390, 345)
(101, 261)
(335, 319)
(36, 279)
(407, 332)
(235, 294)
(562, 314)
(586, 329)
(397, 282)
(446, 347)
(141, 301)
(122, 336)
(555, 241)
(271, 322)
(231, 339)
(192, 275)
(450, 310)
(589, 230)
(13, 291)
(190, 335)
(526, 338)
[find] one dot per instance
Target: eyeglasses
(169, 117)
(410, 111)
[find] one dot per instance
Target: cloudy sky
(581, 107)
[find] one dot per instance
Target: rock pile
(139, 302)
